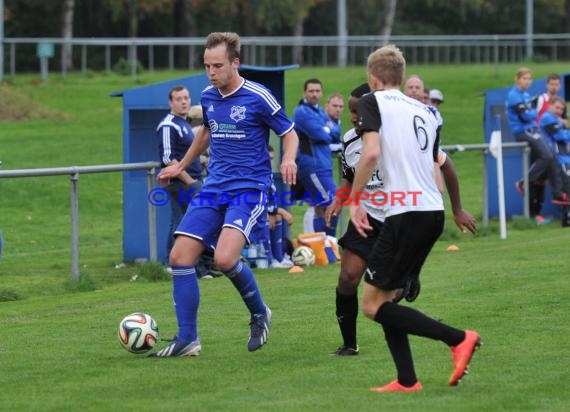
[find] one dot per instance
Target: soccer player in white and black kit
(355, 247)
(399, 134)
(238, 115)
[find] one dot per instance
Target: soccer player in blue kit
(238, 115)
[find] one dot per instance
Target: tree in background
(389, 16)
(67, 33)
(197, 18)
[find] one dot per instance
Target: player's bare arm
(462, 218)
(335, 207)
(288, 166)
(364, 168)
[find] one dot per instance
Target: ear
(373, 82)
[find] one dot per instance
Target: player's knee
(348, 282)
(182, 253)
(224, 261)
(177, 258)
(369, 309)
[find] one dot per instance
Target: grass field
(58, 347)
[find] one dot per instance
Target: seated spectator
(552, 126)
(522, 117)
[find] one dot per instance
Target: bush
(83, 284)
(123, 67)
(153, 272)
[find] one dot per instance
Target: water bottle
(252, 255)
(261, 257)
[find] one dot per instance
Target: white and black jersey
(408, 146)
(352, 148)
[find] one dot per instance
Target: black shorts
(358, 245)
(402, 248)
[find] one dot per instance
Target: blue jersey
(556, 135)
(335, 131)
(174, 139)
(314, 129)
(520, 112)
(239, 125)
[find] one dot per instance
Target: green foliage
(123, 67)
(153, 272)
(83, 284)
(523, 223)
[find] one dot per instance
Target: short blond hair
(195, 112)
(522, 71)
(387, 64)
(230, 39)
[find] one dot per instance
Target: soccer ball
(303, 256)
(138, 332)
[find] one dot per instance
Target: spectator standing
(316, 132)
(334, 109)
(435, 98)
(174, 139)
(553, 81)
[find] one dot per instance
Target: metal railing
(100, 53)
(484, 147)
(74, 172)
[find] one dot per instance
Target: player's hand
(359, 219)
(288, 171)
(465, 221)
(169, 172)
(332, 210)
(285, 215)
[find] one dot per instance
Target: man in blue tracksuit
(522, 116)
(316, 132)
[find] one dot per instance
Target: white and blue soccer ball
(303, 256)
(138, 332)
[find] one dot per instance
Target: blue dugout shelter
(494, 117)
(143, 108)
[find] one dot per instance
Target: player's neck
(232, 86)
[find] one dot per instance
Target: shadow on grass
(7, 295)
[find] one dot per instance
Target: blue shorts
(205, 218)
(320, 187)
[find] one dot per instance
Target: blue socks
(331, 230)
(244, 281)
(277, 240)
(319, 224)
(186, 294)
(266, 243)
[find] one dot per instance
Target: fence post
(485, 216)
(74, 227)
(526, 207)
(151, 218)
